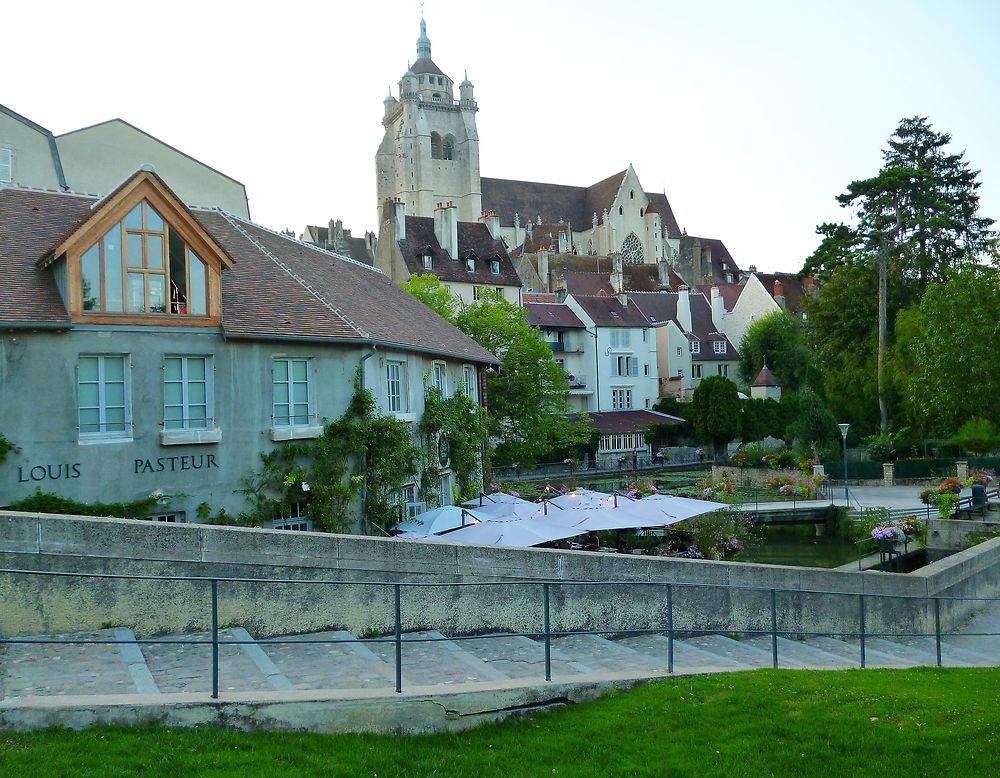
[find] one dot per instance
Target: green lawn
(925, 722)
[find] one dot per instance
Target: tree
(427, 288)
(815, 424)
(978, 435)
(777, 341)
(760, 419)
(950, 345)
(915, 222)
(715, 410)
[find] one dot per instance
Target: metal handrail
(547, 634)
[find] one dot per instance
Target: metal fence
(627, 468)
(668, 590)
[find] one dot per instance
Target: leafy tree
(814, 424)
(951, 345)
(427, 288)
(715, 410)
(777, 341)
(978, 435)
(529, 395)
(760, 419)
(915, 222)
(671, 434)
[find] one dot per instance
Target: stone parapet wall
(751, 476)
(363, 604)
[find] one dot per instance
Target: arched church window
(435, 146)
(632, 250)
(631, 194)
(640, 211)
(621, 210)
(448, 148)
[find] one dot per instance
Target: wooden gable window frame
(177, 223)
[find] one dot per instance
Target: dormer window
(695, 347)
(428, 261)
(719, 346)
(495, 267)
(141, 265)
(470, 264)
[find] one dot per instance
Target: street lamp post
(843, 434)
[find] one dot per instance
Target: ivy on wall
(456, 427)
(6, 448)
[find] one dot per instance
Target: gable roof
(278, 288)
(608, 312)
(791, 286)
(553, 316)
(730, 293)
(574, 204)
(658, 307)
(590, 284)
(704, 329)
(473, 237)
(621, 422)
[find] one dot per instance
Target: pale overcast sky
(751, 116)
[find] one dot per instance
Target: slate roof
(791, 286)
(620, 422)
(590, 284)
(766, 378)
(473, 237)
(278, 286)
(553, 316)
(730, 293)
(574, 204)
(705, 331)
(426, 65)
(608, 312)
(657, 307)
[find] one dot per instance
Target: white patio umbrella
(495, 498)
(439, 520)
(519, 533)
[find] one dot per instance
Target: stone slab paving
(34, 669)
(520, 657)
(798, 653)
(602, 655)
(177, 667)
(738, 650)
(851, 651)
(329, 665)
(431, 663)
(687, 657)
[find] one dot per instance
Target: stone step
(740, 651)
(521, 657)
(799, 654)
(432, 663)
(309, 663)
(955, 655)
(915, 655)
(46, 669)
(180, 667)
(687, 657)
(850, 650)
(603, 655)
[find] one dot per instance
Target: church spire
(423, 42)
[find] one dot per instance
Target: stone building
(151, 347)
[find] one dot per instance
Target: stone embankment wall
(465, 600)
(759, 477)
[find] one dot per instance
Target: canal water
(798, 545)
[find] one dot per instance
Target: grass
(782, 723)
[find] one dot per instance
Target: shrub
(978, 436)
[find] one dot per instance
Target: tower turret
(423, 42)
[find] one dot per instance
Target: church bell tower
(430, 151)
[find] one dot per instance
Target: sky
(750, 116)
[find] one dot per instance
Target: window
(719, 346)
(169, 518)
(446, 496)
(695, 347)
(469, 377)
(620, 338)
(448, 148)
(293, 517)
(477, 293)
(436, 150)
(395, 387)
(624, 366)
(440, 81)
(439, 377)
(187, 395)
(678, 351)
(103, 397)
(631, 194)
(621, 399)
(495, 267)
(470, 264)
(645, 369)
(499, 292)
(6, 166)
(724, 370)
(142, 265)
(292, 394)
(632, 249)
(621, 210)
(428, 261)
(696, 371)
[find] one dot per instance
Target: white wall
(31, 154)
(754, 303)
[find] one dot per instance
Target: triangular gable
(142, 185)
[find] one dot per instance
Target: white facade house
(563, 331)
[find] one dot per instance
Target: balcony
(576, 381)
(561, 347)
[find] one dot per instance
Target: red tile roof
(620, 422)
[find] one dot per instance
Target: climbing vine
(6, 448)
(363, 454)
(454, 426)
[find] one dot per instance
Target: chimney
(808, 285)
(779, 294)
(398, 211)
(663, 272)
(617, 279)
(684, 307)
(446, 227)
(492, 222)
(718, 310)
